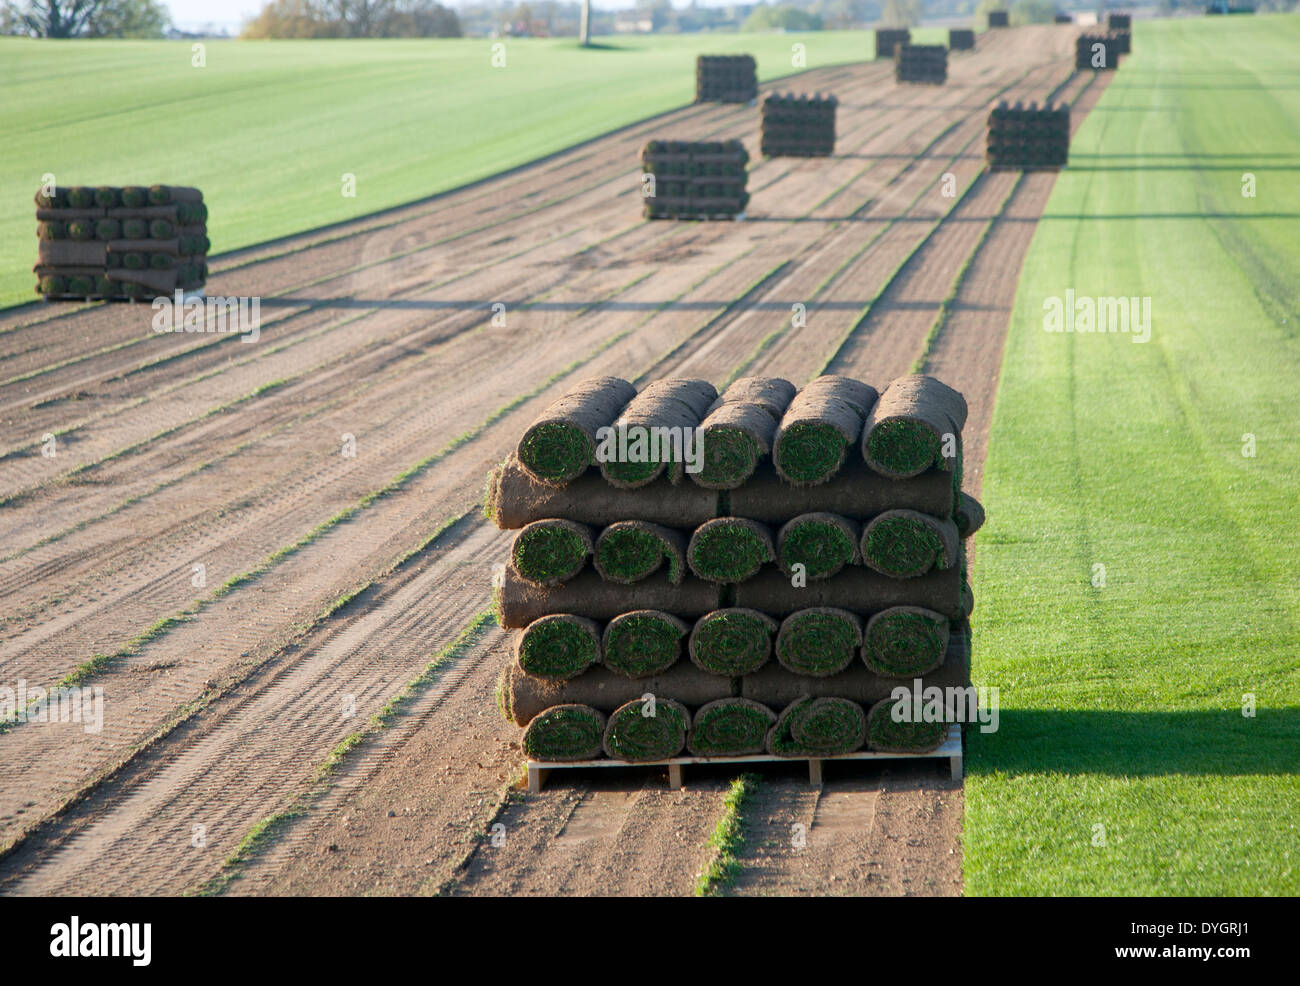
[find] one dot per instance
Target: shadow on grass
(1138, 744)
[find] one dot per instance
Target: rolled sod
(559, 647)
(561, 443)
(135, 197)
(823, 543)
(519, 601)
(156, 282)
(515, 498)
(135, 229)
(107, 197)
(81, 229)
(636, 737)
(52, 230)
(904, 433)
(638, 452)
(565, 733)
(642, 643)
(107, 229)
(822, 422)
(631, 550)
(168, 194)
(52, 285)
(969, 516)
(818, 727)
(857, 589)
(56, 199)
(819, 642)
(739, 428)
(524, 696)
(732, 642)
(887, 736)
(69, 253)
(552, 551)
(147, 213)
(81, 197)
(162, 261)
(855, 492)
(905, 543)
(161, 229)
(730, 727)
(729, 549)
(904, 641)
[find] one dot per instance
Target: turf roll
(855, 492)
(524, 696)
(561, 443)
(884, 735)
(147, 282)
(969, 515)
(906, 543)
(642, 643)
(170, 194)
(822, 422)
(904, 641)
(635, 736)
(819, 642)
(739, 428)
(732, 642)
(135, 197)
(107, 197)
(631, 550)
(519, 601)
(514, 498)
(559, 646)
(652, 433)
(729, 549)
(565, 733)
(81, 197)
(730, 727)
(551, 551)
(818, 727)
(823, 543)
(69, 253)
(857, 589)
(904, 433)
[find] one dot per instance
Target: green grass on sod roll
(902, 547)
(555, 451)
(106, 197)
(135, 197)
(549, 552)
(887, 736)
(902, 642)
(821, 546)
(810, 452)
(81, 197)
(818, 726)
(818, 642)
(565, 733)
(629, 554)
(635, 735)
(730, 457)
(558, 646)
(642, 643)
(730, 727)
(732, 642)
(728, 550)
(905, 446)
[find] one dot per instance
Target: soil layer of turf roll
(560, 646)
(969, 515)
(631, 550)
(633, 735)
(561, 443)
(515, 498)
(822, 422)
(739, 428)
(523, 696)
(823, 543)
(732, 642)
(904, 433)
(552, 551)
(905, 543)
(818, 727)
(636, 454)
(729, 549)
(859, 590)
(855, 492)
(884, 735)
(565, 733)
(818, 642)
(905, 641)
(72, 253)
(731, 727)
(519, 601)
(642, 643)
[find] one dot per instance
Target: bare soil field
(332, 582)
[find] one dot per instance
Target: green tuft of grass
(728, 839)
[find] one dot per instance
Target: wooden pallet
(538, 770)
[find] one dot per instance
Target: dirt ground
(331, 581)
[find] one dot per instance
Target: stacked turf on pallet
(1025, 137)
(1123, 41)
(961, 39)
(1085, 51)
(797, 126)
(926, 64)
(888, 38)
(695, 179)
(999, 18)
(1119, 22)
(726, 79)
(117, 243)
(766, 596)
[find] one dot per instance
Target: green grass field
(268, 129)
(1124, 764)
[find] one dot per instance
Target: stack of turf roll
(726, 79)
(1026, 136)
(695, 179)
(797, 126)
(760, 587)
(1119, 22)
(961, 39)
(1123, 41)
(889, 38)
(927, 64)
(1099, 52)
(999, 18)
(120, 243)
